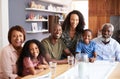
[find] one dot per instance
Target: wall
(115, 20)
(100, 12)
(63, 2)
(3, 23)
(78, 5)
(17, 16)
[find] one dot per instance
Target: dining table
(96, 70)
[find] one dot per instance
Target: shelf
(61, 20)
(58, 2)
(35, 9)
(36, 20)
(57, 10)
(44, 30)
(40, 20)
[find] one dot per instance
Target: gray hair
(108, 24)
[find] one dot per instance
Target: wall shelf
(61, 20)
(58, 2)
(43, 30)
(37, 20)
(36, 14)
(41, 20)
(35, 9)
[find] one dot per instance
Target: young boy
(87, 46)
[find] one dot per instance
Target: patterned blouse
(71, 42)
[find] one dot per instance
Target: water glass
(53, 67)
(112, 59)
(70, 60)
(78, 57)
(85, 57)
(83, 72)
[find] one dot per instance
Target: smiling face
(74, 20)
(57, 31)
(34, 50)
(107, 32)
(17, 39)
(87, 36)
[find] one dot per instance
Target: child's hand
(42, 67)
(92, 59)
(18, 77)
(45, 66)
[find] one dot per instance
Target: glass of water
(112, 58)
(70, 60)
(52, 66)
(85, 57)
(78, 58)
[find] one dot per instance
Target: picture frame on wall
(34, 27)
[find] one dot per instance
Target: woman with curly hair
(73, 27)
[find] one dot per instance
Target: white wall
(4, 26)
(82, 6)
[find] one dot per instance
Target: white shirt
(8, 62)
(104, 51)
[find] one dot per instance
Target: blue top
(86, 48)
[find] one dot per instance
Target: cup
(85, 57)
(83, 72)
(78, 56)
(70, 60)
(112, 59)
(52, 66)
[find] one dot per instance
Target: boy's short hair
(87, 30)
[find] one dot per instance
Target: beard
(106, 39)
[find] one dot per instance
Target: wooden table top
(59, 70)
(116, 73)
(64, 67)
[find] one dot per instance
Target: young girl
(87, 46)
(31, 60)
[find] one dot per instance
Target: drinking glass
(83, 72)
(53, 67)
(85, 57)
(78, 58)
(70, 60)
(112, 58)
